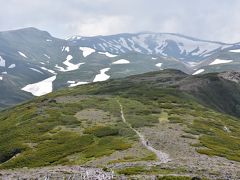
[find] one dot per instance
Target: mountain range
(34, 63)
(127, 106)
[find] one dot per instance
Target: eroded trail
(162, 157)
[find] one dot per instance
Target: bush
(174, 178)
(101, 131)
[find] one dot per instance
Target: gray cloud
(206, 19)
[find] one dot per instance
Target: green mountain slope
(165, 112)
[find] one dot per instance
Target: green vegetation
(163, 117)
(106, 146)
(101, 131)
(51, 151)
(46, 131)
(208, 124)
(138, 114)
(143, 170)
(150, 157)
(174, 178)
(154, 170)
(218, 133)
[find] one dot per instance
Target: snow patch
(140, 40)
(48, 40)
(121, 61)
(102, 76)
(36, 70)
(59, 68)
(198, 71)
(125, 44)
(46, 56)
(22, 54)
(235, 51)
(1, 78)
(71, 82)
(66, 49)
(40, 88)
(12, 66)
(103, 48)
(2, 62)
(87, 51)
(70, 66)
(220, 61)
(77, 84)
(49, 70)
(108, 54)
(192, 64)
(158, 65)
(74, 38)
(133, 46)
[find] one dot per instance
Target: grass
(163, 117)
(101, 131)
(174, 178)
(143, 170)
(106, 146)
(148, 157)
(51, 151)
(155, 170)
(139, 114)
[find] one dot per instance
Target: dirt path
(162, 157)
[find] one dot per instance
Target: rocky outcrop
(231, 76)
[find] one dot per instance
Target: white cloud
(102, 25)
(213, 20)
(170, 25)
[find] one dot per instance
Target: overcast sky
(207, 19)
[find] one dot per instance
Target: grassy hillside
(83, 126)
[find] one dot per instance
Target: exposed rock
(231, 76)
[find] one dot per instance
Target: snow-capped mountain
(33, 63)
(159, 44)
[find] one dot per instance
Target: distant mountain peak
(178, 46)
